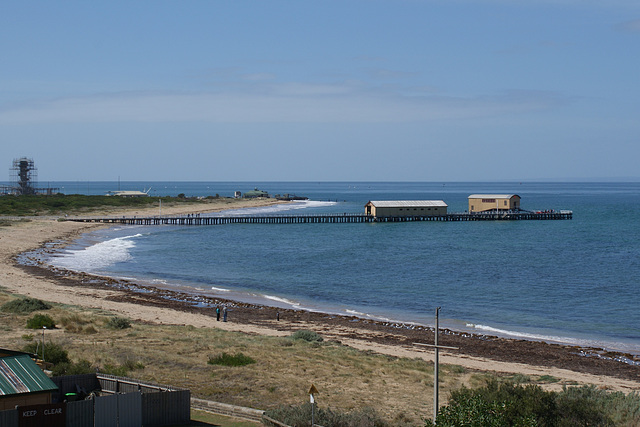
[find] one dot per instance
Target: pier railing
(350, 218)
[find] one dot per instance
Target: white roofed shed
(387, 208)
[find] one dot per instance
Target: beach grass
(284, 369)
(27, 205)
(202, 418)
(281, 373)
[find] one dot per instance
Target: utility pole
(436, 366)
(436, 363)
(43, 328)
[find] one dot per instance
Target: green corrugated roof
(19, 374)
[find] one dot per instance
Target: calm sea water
(571, 281)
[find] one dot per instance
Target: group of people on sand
(224, 314)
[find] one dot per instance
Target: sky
(403, 90)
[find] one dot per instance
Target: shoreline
(156, 305)
(204, 298)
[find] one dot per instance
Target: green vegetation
(226, 359)
(53, 352)
(348, 380)
(306, 335)
(510, 404)
(118, 323)
(301, 416)
(61, 203)
(202, 418)
(39, 321)
(24, 306)
(75, 323)
(122, 370)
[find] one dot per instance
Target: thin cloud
(295, 102)
(629, 26)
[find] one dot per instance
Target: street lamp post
(436, 363)
(43, 329)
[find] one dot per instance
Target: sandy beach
(477, 352)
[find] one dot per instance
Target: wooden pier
(323, 219)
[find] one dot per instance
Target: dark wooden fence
(116, 401)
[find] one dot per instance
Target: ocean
(569, 281)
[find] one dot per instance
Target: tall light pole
(436, 363)
(436, 367)
(43, 328)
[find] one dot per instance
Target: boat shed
(492, 202)
(397, 208)
(22, 382)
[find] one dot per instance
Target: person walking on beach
(218, 314)
(224, 314)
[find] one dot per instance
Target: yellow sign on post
(313, 390)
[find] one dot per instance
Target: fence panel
(166, 408)
(130, 410)
(106, 409)
(71, 383)
(80, 413)
(9, 418)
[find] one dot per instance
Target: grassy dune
(78, 203)
(400, 389)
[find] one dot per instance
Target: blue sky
(432, 90)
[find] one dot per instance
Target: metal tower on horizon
(24, 176)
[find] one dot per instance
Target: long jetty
(350, 218)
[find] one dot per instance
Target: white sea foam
(524, 335)
(98, 256)
(282, 300)
(378, 318)
(213, 288)
(277, 209)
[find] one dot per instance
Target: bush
(584, 406)
(226, 359)
(509, 404)
(301, 416)
(53, 353)
(25, 306)
(306, 335)
(119, 323)
(117, 370)
(81, 367)
(38, 321)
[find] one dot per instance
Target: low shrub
(68, 368)
(89, 329)
(307, 335)
(529, 405)
(117, 370)
(226, 359)
(301, 416)
(24, 306)
(53, 352)
(38, 321)
(118, 323)
(121, 370)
